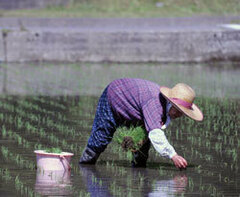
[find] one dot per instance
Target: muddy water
(54, 105)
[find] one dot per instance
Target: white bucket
(53, 161)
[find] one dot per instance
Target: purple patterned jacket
(137, 101)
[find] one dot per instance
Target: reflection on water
(99, 182)
(211, 80)
(53, 183)
(170, 187)
(95, 182)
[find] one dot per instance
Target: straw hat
(182, 97)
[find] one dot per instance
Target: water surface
(54, 105)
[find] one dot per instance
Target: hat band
(182, 102)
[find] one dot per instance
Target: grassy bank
(133, 8)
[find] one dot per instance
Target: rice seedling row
(46, 120)
(18, 159)
(49, 138)
(40, 119)
(37, 118)
(21, 187)
(202, 144)
(26, 128)
(53, 102)
(23, 104)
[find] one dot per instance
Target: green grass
(133, 8)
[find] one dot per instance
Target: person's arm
(165, 149)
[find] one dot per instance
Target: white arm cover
(161, 144)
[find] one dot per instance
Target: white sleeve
(161, 144)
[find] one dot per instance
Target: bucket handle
(64, 158)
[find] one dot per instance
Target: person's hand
(179, 162)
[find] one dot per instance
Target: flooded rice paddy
(54, 106)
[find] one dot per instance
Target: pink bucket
(53, 161)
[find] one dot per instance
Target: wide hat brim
(195, 113)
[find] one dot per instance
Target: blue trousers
(104, 125)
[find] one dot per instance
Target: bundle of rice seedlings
(130, 138)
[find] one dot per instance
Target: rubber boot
(140, 157)
(89, 156)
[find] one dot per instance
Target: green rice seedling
(210, 189)
(7, 106)
(19, 185)
(115, 189)
(4, 131)
(1, 116)
(39, 146)
(53, 150)
(5, 174)
(137, 136)
(58, 105)
(49, 136)
(17, 158)
(19, 139)
(122, 171)
(29, 105)
(37, 118)
(21, 112)
(190, 183)
(23, 189)
(63, 129)
(36, 108)
(47, 103)
(24, 103)
(19, 122)
(94, 179)
(82, 194)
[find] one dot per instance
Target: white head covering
(168, 120)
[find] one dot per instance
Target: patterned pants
(104, 125)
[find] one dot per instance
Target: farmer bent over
(140, 102)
